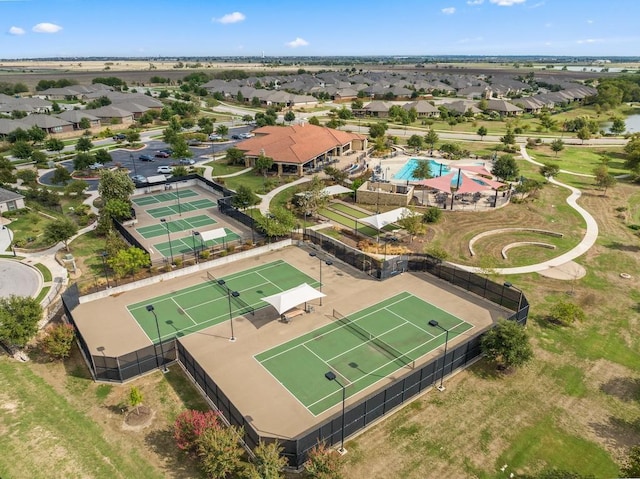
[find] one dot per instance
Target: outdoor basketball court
(183, 207)
(360, 349)
(163, 197)
(176, 226)
(203, 305)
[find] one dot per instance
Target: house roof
(296, 144)
(7, 126)
(503, 106)
(7, 195)
(110, 111)
(44, 121)
(75, 116)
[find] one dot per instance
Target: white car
(164, 169)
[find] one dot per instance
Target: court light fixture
(152, 310)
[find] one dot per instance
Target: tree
(431, 138)
(618, 127)
(313, 198)
(263, 164)
(482, 132)
(135, 397)
(19, 318)
(84, 144)
(36, 134)
(103, 157)
(245, 197)
(277, 222)
(22, 150)
(180, 147)
(416, 142)
(206, 125)
(190, 425)
(564, 312)
(222, 130)
(557, 146)
(234, 156)
(377, 130)
(631, 467)
(60, 230)
(219, 452)
(60, 175)
(59, 340)
(549, 170)
(28, 176)
(128, 261)
(6, 170)
(507, 344)
(82, 161)
(509, 138)
(314, 121)
(115, 185)
(603, 179)
(289, 116)
(76, 186)
(323, 463)
(268, 463)
(584, 134)
(84, 123)
(505, 168)
(432, 215)
(412, 222)
(54, 144)
(133, 136)
(337, 175)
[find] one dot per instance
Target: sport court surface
(361, 348)
(176, 226)
(203, 305)
(163, 197)
(183, 207)
(188, 244)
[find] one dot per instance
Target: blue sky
(48, 28)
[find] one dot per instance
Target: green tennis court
(162, 197)
(203, 305)
(174, 209)
(189, 243)
(176, 226)
(360, 349)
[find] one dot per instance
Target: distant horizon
(36, 29)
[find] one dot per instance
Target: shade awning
(293, 297)
(381, 220)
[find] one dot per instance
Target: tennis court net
(383, 346)
(222, 286)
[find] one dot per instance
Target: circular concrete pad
(18, 279)
(566, 271)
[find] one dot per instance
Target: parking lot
(130, 159)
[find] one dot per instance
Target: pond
(632, 122)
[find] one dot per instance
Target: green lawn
(582, 159)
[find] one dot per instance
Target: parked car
(187, 161)
(162, 154)
(96, 166)
(194, 142)
(139, 179)
(236, 137)
(164, 169)
(168, 151)
(244, 136)
(214, 137)
(146, 158)
(120, 137)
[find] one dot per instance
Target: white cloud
(46, 28)
(589, 22)
(548, 25)
(475, 2)
(16, 31)
(449, 10)
(589, 40)
(506, 3)
(298, 42)
(234, 17)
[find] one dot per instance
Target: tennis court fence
(222, 287)
(368, 337)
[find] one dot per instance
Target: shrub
(190, 425)
(205, 254)
(59, 341)
(432, 215)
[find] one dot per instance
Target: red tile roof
(296, 143)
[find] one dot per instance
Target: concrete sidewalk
(585, 244)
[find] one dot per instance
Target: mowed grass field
(575, 407)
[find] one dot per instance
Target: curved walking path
(266, 199)
(585, 244)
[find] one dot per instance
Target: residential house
(50, 124)
(424, 109)
(504, 108)
(75, 117)
(10, 201)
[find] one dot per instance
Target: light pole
(435, 324)
(135, 170)
(507, 284)
(328, 262)
(331, 376)
(104, 267)
(230, 293)
(195, 251)
(166, 225)
(152, 310)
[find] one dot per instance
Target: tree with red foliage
(190, 425)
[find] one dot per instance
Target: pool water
(406, 172)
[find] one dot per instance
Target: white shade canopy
(293, 297)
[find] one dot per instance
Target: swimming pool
(406, 172)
